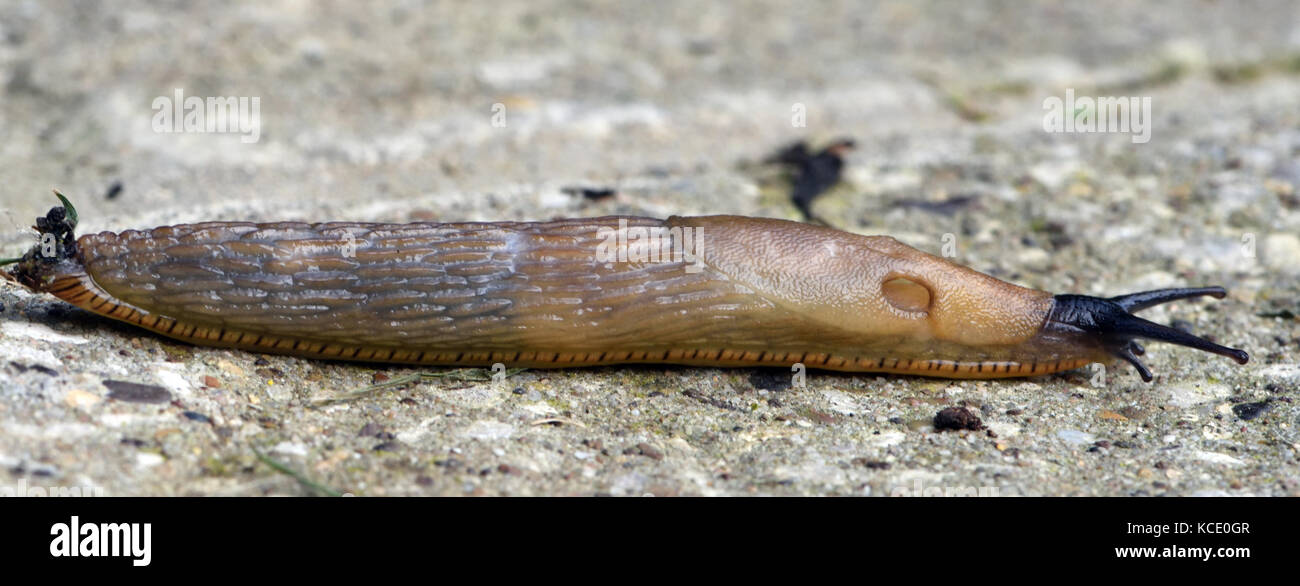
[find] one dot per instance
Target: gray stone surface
(385, 114)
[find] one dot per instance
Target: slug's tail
(1110, 322)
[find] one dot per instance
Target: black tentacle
(1114, 327)
(1139, 301)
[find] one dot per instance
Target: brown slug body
(713, 291)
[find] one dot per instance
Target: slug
(707, 291)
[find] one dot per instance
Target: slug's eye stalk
(1111, 324)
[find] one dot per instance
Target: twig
(463, 374)
(302, 479)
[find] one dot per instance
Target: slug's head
(1109, 324)
(56, 243)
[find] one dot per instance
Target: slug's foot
(1110, 323)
